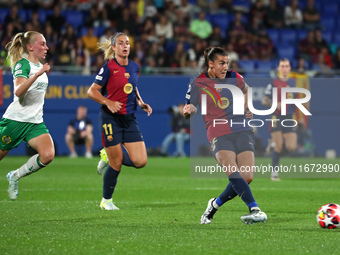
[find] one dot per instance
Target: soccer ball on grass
(329, 216)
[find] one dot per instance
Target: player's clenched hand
(188, 110)
(147, 108)
(45, 68)
(114, 106)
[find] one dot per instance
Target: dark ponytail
(210, 54)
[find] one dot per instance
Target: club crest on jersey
(109, 138)
(6, 139)
(127, 75)
(225, 103)
(128, 88)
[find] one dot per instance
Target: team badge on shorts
(109, 138)
(127, 75)
(213, 145)
(6, 139)
(128, 88)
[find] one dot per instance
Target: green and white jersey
(29, 107)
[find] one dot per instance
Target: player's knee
(46, 156)
(291, 147)
(141, 163)
(248, 179)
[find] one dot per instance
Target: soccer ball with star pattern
(329, 216)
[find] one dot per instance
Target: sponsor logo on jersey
(18, 72)
(128, 88)
(223, 103)
(18, 66)
(127, 75)
(98, 77)
(115, 71)
(6, 139)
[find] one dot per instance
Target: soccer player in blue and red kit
(279, 132)
(231, 145)
(115, 88)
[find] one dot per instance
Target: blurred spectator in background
(216, 39)
(79, 132)
(180, 132)
(56, 20)
(71, 36)
(311, 16)
(307, 47)
(164, 27)
(201, 27)
(258, 11)
(36, 24)
(63, 54)
(336, 59)
(293, 15)
(126, 21)
(265, 47)
(181, 26)
(274, 15)
(90, 41)
(150, 11)
(301, 66)
(14, 18)
(237, 27)
(319, 41)
(233, 56)
(233, 65)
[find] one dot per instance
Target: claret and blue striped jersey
(119, 84)
(278, 83)
(219, 103)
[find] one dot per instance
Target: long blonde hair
(106, 46)
(18, 46)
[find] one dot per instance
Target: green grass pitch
(57, 212)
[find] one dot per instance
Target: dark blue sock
(109, 182)
(275, 160)
(228, 194)
(126, 158)
(242, 189)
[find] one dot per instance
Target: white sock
(32, 165)
(215, 205)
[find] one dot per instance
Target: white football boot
(108, 205)
(13, 186)
(103, 162)
(255, 215)
(208, 215)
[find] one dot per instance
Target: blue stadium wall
(66, 92)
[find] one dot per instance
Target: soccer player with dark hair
(280, 134)
(115, 88)
(231, 145)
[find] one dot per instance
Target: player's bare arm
(21, 84)
(145, 107)
(94, 93)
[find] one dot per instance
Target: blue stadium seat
(170, 46)
(82, 31)
(301, 34)
(43, 14)
(336, 38)
(284, 51)
(220, 20)
(328, 36)
(99, 31)
(274, 35)
(23, 15)
(247, 65)
(330, 7)
(3, 14)
(264, 65)
(288, 35)
(327, 23)
(74, 18)
(244, 4)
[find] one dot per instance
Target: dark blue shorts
(277, 125)
(119, 128)
(236, 142)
